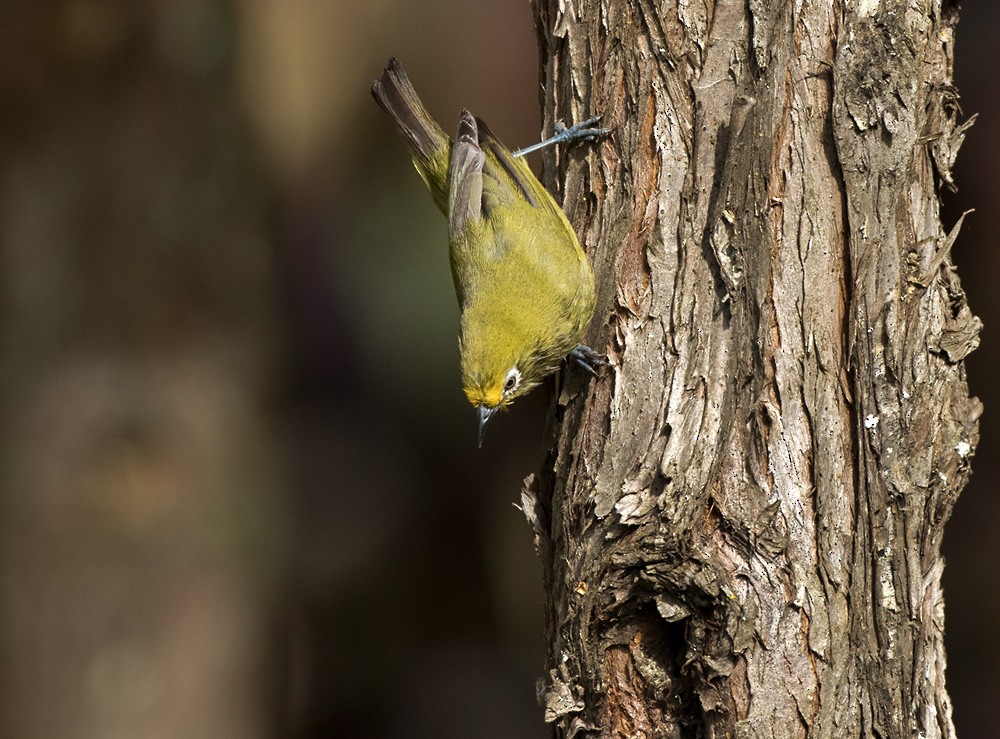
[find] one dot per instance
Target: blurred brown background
(240, 492)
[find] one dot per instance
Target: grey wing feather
(465, 176)
(505, 159)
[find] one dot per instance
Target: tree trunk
(741, 521)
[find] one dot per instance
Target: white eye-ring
(511, 381)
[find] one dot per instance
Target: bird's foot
(588, 359)
(584, 131)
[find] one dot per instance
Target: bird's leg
(583, 131)
(588, 359)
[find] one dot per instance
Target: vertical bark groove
(741, 523)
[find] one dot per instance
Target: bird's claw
(582, 131)
(588, 359)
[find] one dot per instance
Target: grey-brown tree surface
(741, 522)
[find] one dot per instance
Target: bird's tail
(430, 145)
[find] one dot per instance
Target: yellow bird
(524, 284)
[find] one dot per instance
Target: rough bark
(741, 521)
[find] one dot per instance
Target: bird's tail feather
(431, 146)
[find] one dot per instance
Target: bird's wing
(465, 177)
(510, 178)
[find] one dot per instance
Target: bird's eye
(512, 380)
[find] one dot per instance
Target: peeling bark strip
(741, 524)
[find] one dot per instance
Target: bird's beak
(484, 413)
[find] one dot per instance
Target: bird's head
(493, 390)
(504, 354)
(498, 366)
